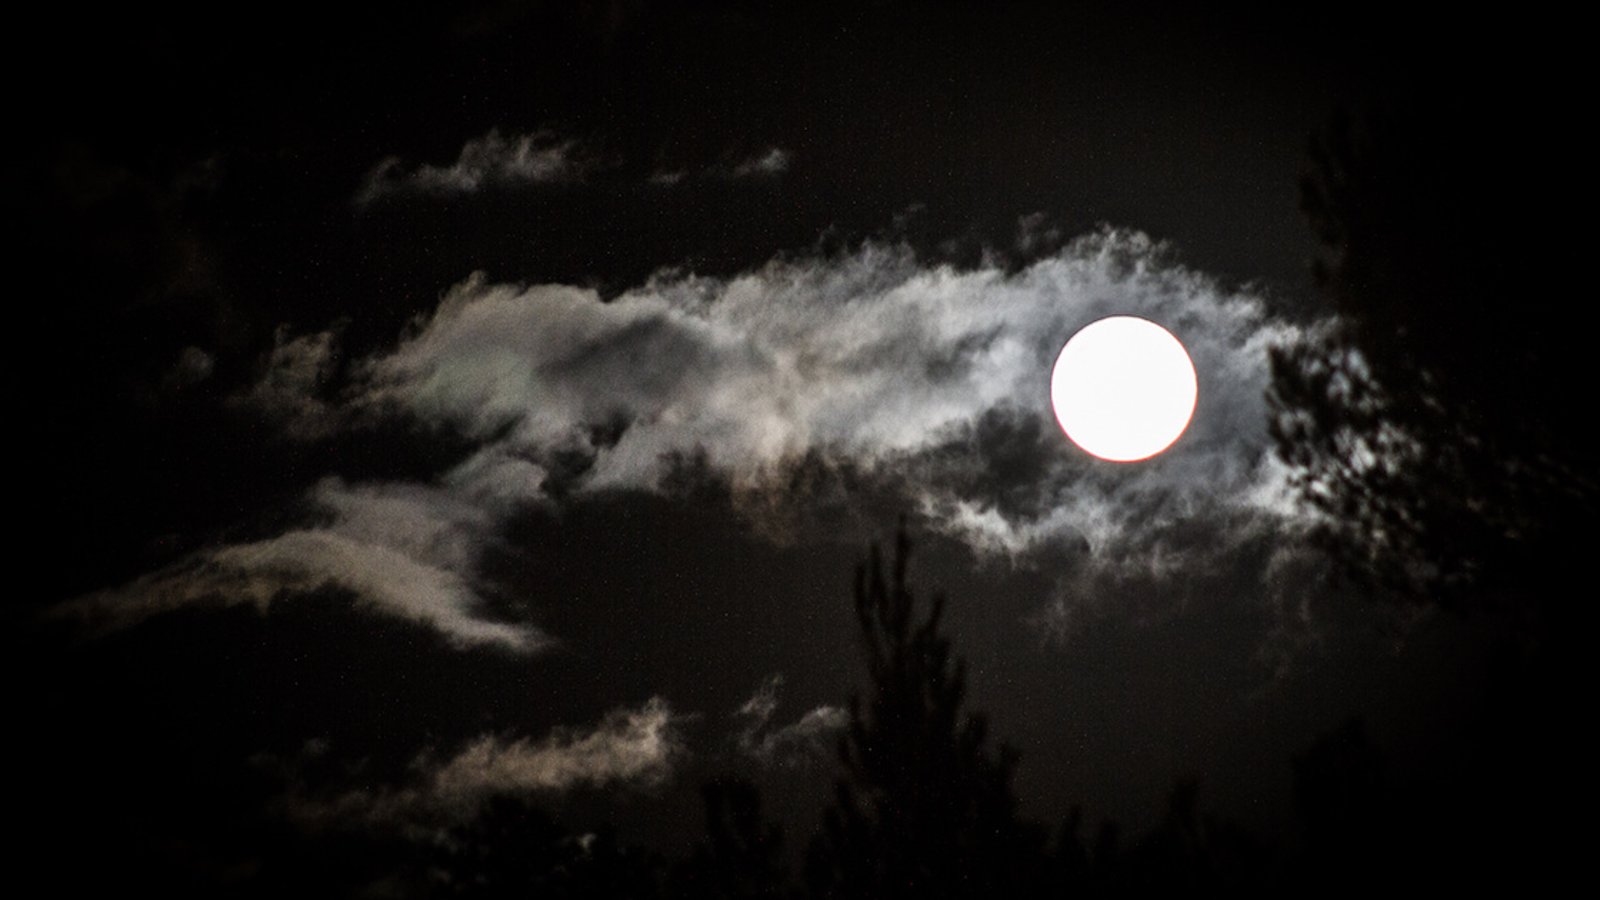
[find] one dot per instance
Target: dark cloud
(192, 366)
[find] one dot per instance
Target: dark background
(189, 179)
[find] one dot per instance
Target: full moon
(1123, 388)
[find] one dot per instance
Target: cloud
(536, 158)
(290, 387)
(923, 376)
(629, 747)
(1037, 233)
(402, 550)
(805, 740)
(924, 373)
(762, 704)
(769, 163)
(635, 746)
(796, 384)
(192, 367)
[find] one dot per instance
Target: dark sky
(431, 402)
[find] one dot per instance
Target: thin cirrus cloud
(535, 158)
(532, 159)
(923, 376)
(767, 164)
(634, 747)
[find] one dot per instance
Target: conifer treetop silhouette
(924, 807)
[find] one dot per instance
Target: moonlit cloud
(540, 157)
(403, 550)
(930, 379)
(896, 367)
(629, 747)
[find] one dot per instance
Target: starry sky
(438, 402)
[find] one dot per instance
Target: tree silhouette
(1346, 811)
(1433, 423)
(741, 855)
(1187, 851)
(514, 849)
(924, 808)
(1437, 424)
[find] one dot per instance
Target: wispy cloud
(927, 378)
(804, 740)
(766, 164)
(873, 359)
(290, 388)
(402, 550)
(637, 747)
(539, 157)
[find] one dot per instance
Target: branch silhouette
(1433, 423)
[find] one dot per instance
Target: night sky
(428, 404)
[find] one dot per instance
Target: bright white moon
(1123, 388)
